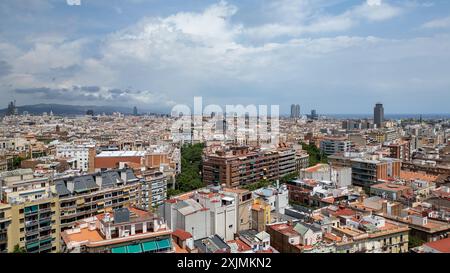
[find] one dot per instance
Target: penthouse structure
(240, 166)
(85, 196)
(126, 230)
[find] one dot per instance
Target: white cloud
(306, 17)
(375, 10)
(73, 2)
(437, 23)
(205, 53)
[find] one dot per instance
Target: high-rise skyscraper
(135, 111)
(314, 115)
(378, 115)
(295, 111)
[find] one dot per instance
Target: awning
(134, 249)
(163, 244)
(119, 250)
(149, 246)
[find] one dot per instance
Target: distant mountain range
(61, 109)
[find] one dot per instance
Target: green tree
(17, 160)
(414, 241)
(315, 155)
(18, 249)
(258, 185)
(288, 178)
(191, 168)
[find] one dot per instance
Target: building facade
(366, 173)
(85, 196)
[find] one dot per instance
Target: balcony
(31, 223)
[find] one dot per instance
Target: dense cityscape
(224, 135)
(98, 183)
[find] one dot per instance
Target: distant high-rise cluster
(295, 111)
(378, 115)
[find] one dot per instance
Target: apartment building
(286, 161)
(153, 190)
(367, 172)
(318, 172)
(125, 230)
(111, 159)
(243, 200)
(82, 153)
(3, 163)
(276, 197)
(238, 166)
(33, 211)
(203, 213)
(302, 161)
(422, 227)
(400, 150)
(5, 221)
(340, 176)
(261, 215)
(372, 234)
(342, 230)
(333, 145)
(162, 157)
(35, 225)
(85, 196)
(391, 191)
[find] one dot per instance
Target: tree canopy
(315, 155)
(190, 177)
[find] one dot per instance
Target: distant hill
(61, 109)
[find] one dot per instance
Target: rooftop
(442, 246)
(122, 154)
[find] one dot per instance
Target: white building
(82, 153)
(332, 146)
(277, 198)
(202, 213)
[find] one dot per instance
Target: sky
(335, 56)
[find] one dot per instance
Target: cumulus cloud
(308, 17)
(209, 53)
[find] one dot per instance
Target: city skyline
(333, 56)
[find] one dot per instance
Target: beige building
(5, 221)
(35, 226)
(244, 201)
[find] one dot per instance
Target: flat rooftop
(122, 154)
